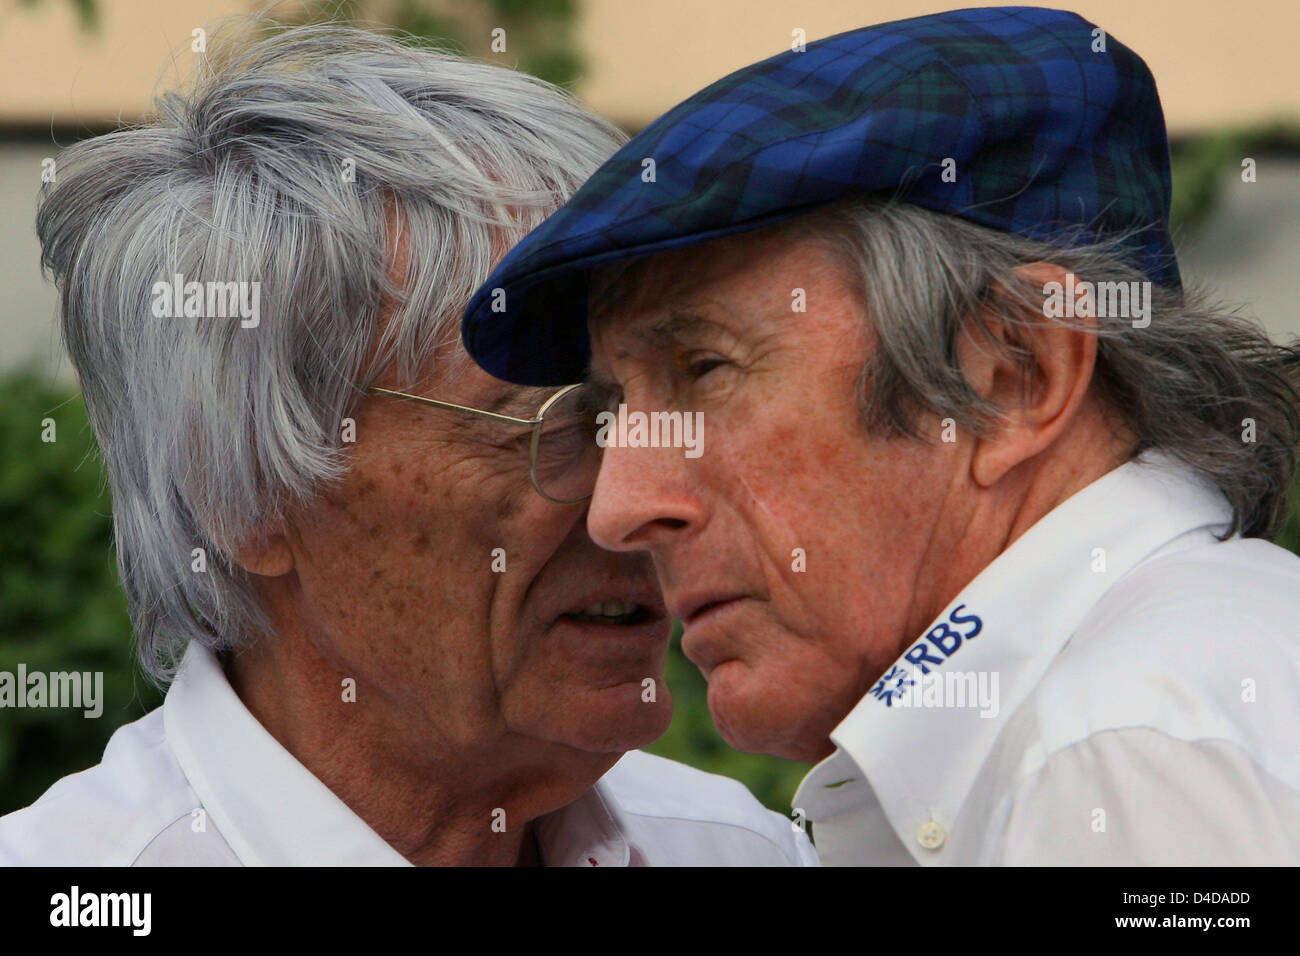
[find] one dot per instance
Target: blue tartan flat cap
(1053, 129)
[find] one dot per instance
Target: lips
(617, 606)
(709, 633)
(689, 608)
(619, 613)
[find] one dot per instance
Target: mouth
(691, 609)
(614, 613)
(705, 608)
(630, 608)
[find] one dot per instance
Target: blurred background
(1229, 80)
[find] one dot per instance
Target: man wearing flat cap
(979, 520)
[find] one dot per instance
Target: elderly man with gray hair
(979, 519)
(360, 557)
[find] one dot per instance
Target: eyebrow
(674, 327)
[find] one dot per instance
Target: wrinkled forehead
(636, 295)
(504, 398)
(735, 284)
(449, 374)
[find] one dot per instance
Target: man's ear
(1038, 387)
(266, 553)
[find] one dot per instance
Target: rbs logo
(944, 638)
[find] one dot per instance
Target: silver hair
(287, 163)
(1185, 383)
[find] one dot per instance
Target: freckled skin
(891, 529)
(438, 523)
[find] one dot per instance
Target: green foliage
(87, 12)
(1289, 535)
(554, 9)
(539, 33)
(561, 67)
(61, 607)
(428, 28)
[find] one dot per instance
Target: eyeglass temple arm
(493, 416)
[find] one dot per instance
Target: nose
(646, 499)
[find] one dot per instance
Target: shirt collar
(273, 811)
(1013, 619)
(584, 833)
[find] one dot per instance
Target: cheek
(379, 523)
(381, 563)
(842, 522)
(800, 493)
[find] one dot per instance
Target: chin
(622, 721)
(610, 720)
(751, 717)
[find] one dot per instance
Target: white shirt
(1148, 700)
(199, 781)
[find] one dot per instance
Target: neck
(437, 806)
(978, 524)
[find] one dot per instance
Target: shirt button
(931, 835)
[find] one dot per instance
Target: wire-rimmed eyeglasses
(563, 456)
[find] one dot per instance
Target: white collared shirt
(1140, 700)
(199, 781)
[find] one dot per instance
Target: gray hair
(210, 430)
(1185, 383)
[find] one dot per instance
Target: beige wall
(55, 70)
(1217, 62)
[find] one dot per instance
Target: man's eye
(701, 367)
(601, 399)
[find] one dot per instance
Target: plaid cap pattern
(1048, 139)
